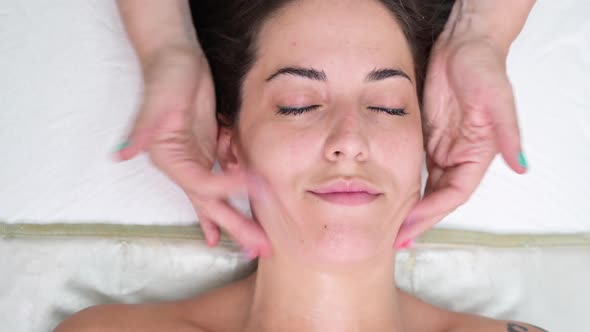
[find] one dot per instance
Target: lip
(348, 198)
(342, 185)
(347, 191)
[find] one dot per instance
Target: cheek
(301, 148)
(401, 153)
(276, 151)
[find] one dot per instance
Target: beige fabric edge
(434, 237)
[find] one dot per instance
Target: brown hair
(227, 31)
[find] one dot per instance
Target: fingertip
(398, 243)
(258, 249)
(406, 244)
(123, 155)
(509, 145)
(517, 162)
(212, 239)
(116, 156)
(138, 141)
(259, 242)
(521, 170)
(125, 150)
(265, 250)
(215, 238)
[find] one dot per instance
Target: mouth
(350, 198)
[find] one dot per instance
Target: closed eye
(390, 111)
(286, 110)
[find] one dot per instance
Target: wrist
(169, 56)
(497, 21)
(158, 27)
(169, 48)
(168, 40)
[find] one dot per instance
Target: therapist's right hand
(176, 125)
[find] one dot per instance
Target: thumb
(507, 131)
(141, 134)
(262, 193)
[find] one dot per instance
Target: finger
(163, 95)
(434, 176)
(203, 117)
(141, 133)
(411, 230)
(261, 193)
(199, 182)
(178, 157)
(454, 188)
(506, 128)
(212, 185)
(244, 231)
(212, 233)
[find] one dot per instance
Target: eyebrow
(384, 73)
(310, 73)
(320, 75)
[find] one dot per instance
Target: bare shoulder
(422, 316)
(152, 317)
(222, 309)
(473, 323)
(197, 314)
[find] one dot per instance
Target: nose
(348, 138)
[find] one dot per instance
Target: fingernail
(406, 244)
(123, 145)
(522, 160)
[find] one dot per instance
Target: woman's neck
(287, 296)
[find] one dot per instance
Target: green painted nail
(522, 160)
(123, 145)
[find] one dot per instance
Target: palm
(181, 89)
(177, 126)
(468, 115)
(459, 126)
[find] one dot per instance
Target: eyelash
(300, 110)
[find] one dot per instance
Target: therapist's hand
(176, 124)
(468, 117)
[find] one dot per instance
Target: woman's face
(345, 63)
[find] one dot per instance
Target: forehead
(357, 34)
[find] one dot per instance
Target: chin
(347, 248)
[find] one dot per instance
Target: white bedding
(70, 86)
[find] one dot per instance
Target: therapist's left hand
(468, 117)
